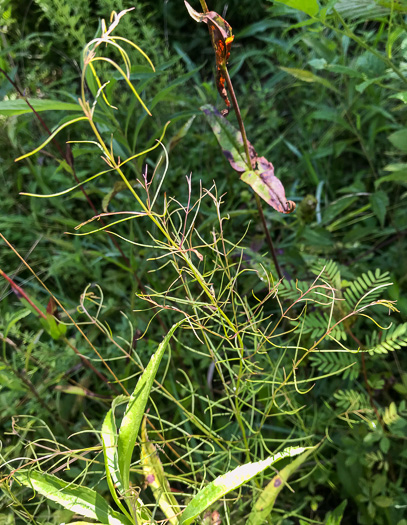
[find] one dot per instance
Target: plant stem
(204, 6)
(249, 162)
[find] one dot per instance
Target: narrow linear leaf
(135, 410)
(231, 481)
(156, 479)
(111, 459)
(307, 76)
(76, 498)
(265, 502)
(335, 517)
(9, 108)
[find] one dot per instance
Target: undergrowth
(310, 364)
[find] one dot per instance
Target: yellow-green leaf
(155, 478)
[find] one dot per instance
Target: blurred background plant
(323, 96)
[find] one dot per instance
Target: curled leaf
(222, 38)
(260, 174)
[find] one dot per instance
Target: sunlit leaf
(20, 106)
(82, 500)
(230, 481)
(310, 7)
(135, 410)
(265, 502)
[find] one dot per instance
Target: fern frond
(366, 289)
(317, 324)
(292, 289)
(395, 339)
(351, 400)
(331, 362)
(390, 415)
(331, 273)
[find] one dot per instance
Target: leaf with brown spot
(265, 502)
(260, 175)
(222, 38)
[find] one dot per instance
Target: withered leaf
(260, 175)
(222, 38)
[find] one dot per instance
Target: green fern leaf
(331, 273)
(350, 400)
(331, 362)
(366, 289)
(395, 339)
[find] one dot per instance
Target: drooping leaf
(222, 38)
(265, 502)
(9, 108)
(135, 410)
(260, 175)
(154, 476)
(230, 481)
(308, 76)
(399, 139)
(310, 7)
(76, 498)
(379, 201)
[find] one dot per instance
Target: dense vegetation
(312, 364)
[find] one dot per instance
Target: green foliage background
(326, 103)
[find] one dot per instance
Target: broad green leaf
(396, 176)
(379, 201)
(230, 481)
(399, 139)
(310, 7)
(76, 498)
(308, 76)
(401, 96)
(135, 410)
(154, 476)
(265, 502)
(335, 517)
(259, 174)
(20, 106)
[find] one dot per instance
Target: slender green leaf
(20, 106)
(156, 479)
(231, 481)
(307, 76)
(76, 498)
(135, 410)
(335, 517)
(265, 502)
(109, 442)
